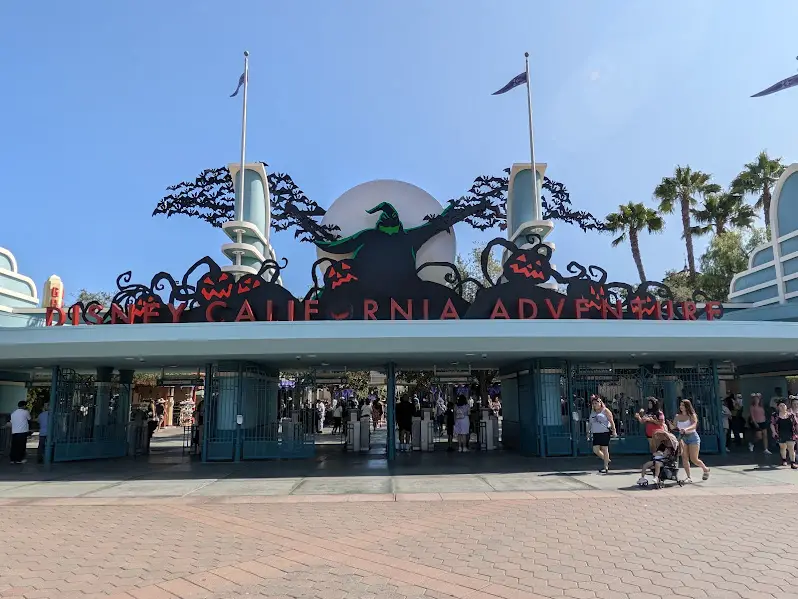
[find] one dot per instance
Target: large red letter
(499, 311)
(245, 313)
(606, 309)
(668, 304)
(48, 319)
(370, 308)
(582, 306)
(117, 314)
(310, 308)
(425, 309)
(291, 310)
(75, 315)
(688, 311)
(93, 314)
(209, 310)
(449, 311)
(558, 312)
(714, 310)
(637, 307)
(522, 303)
(176, 311)
(150, 311)
(397, 309)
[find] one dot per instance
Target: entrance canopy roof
(480, 343)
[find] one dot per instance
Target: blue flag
(514, 82)
(240, 83)
(777, 87)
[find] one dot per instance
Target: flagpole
(240, 203)
(535, 194)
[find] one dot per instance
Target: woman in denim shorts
(686, 422)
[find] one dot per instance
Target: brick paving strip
(581, 544)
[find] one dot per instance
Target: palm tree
(721, 210)
(683, 189)
(759, 177)
(629, 221)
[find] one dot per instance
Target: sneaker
(642, 480)
(603, 471)
(22, 461)
(688, 480)
(767, 452)
(705, 476)
(784, 462)
(794, 466)
(750, 447)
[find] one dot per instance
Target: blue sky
(105, 104)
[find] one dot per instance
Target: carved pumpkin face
(644, 303)
(248, 283)
(340, 313)
(216, 286)
(587, 289)
(339, 273)
(528, 265)
(148, 299)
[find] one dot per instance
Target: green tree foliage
(726, 255)
(758, 178)
(470, 267)
(85, 296)
(37, 397)
(682, 191)
(416, 381)
(629, 221)
(719, 211)
(358, 381)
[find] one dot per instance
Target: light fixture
(311, 355)
(130, 359)
(471, 354)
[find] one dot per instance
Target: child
(665, 448)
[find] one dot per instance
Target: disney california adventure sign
(376, 278)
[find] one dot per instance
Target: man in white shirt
(19, 433)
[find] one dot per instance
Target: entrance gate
(242, 417)
(563, 406)
(90, 415)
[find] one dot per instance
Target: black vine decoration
(210, 197)
(382, 282)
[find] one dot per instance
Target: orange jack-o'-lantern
(248, 283)
(339, 273)
(529, 265)
(217, 286)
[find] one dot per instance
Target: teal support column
(390, 401)
(207, 390)
(102, 401)
(48, 446)
(670, 389)
(715, 399)
(125, 396)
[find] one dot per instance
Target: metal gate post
(239, 404)
(391, 410)
(572, 424)
(48, 446)
(718, 410)
(206, 402)
(536, 391)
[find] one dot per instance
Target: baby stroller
(667, 455)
